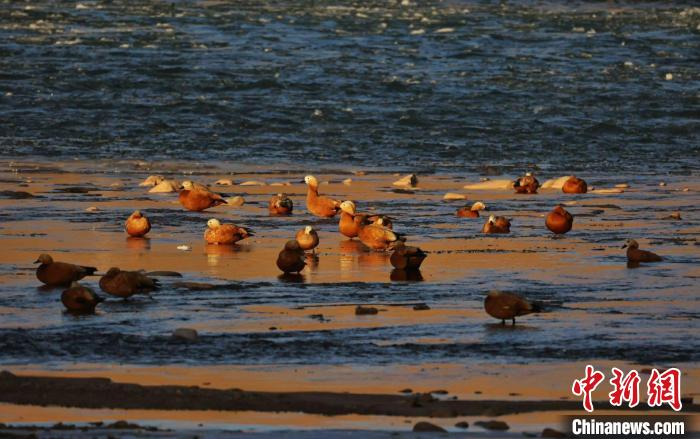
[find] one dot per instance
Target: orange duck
(574, 185)
(497, 224)
(378, 237)
(527, 184)
(80, 299)
(508, 306)
(407, 258)
(307, 238)
(218, 233)
(137, 225)
(320, 206)
(280, 204)
(471, 212)
(60, 273)
(350, 220)
(559, 221)
(635, 255)
(196, 197)
(291, 259)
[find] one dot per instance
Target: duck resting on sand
(217, 233)
(559, 220)
(80, 299)
(197, 197)
(350, 220)
(291, 259)
(60, 273)
(125, 284)
(496, 224)
(471, 212)
(377, 237)
(280, 204)
(574, 185)
(137, 225)
(526, 184)
(307, 238)
(406, 257)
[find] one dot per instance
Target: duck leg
(513, 324)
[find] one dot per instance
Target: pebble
(406, 391)
(622, 186)
(421, 307)
(236, 201)
(165, 186)
(92, 209)
(685, 189)
(365, 310)
(152, 180)
(428, 427)
(675, 216)
(187, 334)
(550, 432)
(462, 424)
(454, 196)
(669, 76)
(493, 425)
(184, 248)
(663, 183)
(252, 183)
(347, 181)
(224, 182)
(408, 180)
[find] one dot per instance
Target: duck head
(283, 201)
(186, 185)
(492, 219)
(136, 214)
(478, 206)
(308, 230)
(631, 243)
(348, 207)
(112, 272)
(44, 259)
(213, 223)
(292, 245)
(311, 181)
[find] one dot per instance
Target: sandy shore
(462, 265)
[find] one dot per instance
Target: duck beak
(624, 246)
(37, 261)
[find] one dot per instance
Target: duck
(217, 233)
(60, 273)
(527, 184)
(406, 257)
(125, 284)
(323, 207)
(350, 220)
(377, 237)
(559, 220)
(79, 298)
(197, 197)
(635, 255)
(471, 212)
(307, 238)
(281, 204)
(291, 259)
(508, 306)
(574, 185)
(137, 225)
(497, 224)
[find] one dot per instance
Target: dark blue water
(448, 86)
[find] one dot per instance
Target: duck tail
(90, 270)
(536, 307)
(99, 299)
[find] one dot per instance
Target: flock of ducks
(373, 230)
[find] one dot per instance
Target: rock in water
(187, 334)
(408, 181)
(428, 427)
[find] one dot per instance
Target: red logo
(662, 388)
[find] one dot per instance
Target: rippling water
(426, 85)
(605, 89)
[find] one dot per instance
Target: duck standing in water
(496, 224)
(323, 207)
(125, 284)
(307, 238)
(137, 225)
(406, 257)
(60, 273)
(196, 197)
(527, 184)
(574, 185)
(280, 204)
(218, 233)
(291, 259)
(471, 212)
(559, 221)
(508, 306)
(635, 255)
(80, 299)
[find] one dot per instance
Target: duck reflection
(406, 275)
(294, 278)
(134, 243)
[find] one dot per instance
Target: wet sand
(461, 267)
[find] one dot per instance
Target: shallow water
(427, 86)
